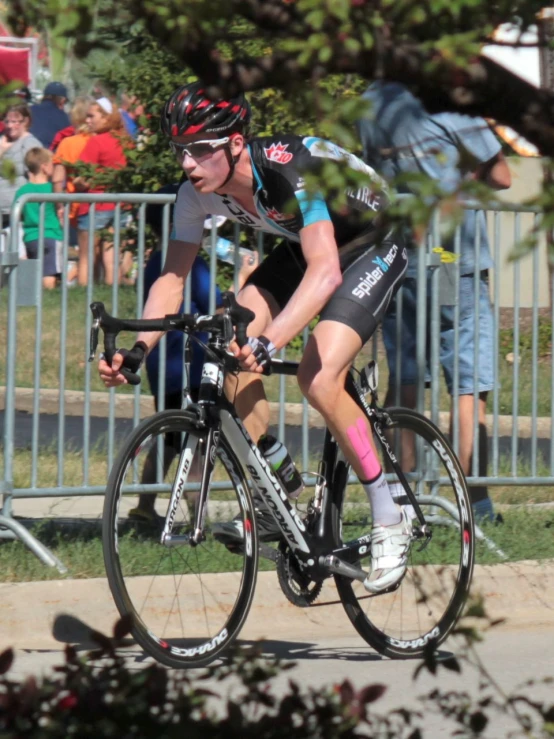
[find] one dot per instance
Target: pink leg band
(359, 439)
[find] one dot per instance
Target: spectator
(131, 110)
(69, 150)
(40, 164)
(49, 115)
(104, 149)
(14, 145)
(24, 95)
(399, 136)
(200, 303)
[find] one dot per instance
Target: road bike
(189, 591)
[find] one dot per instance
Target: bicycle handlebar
(234, 316)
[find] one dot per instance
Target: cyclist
(336, 263)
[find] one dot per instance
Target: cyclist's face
(204, 159)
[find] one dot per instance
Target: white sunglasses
(197, 149)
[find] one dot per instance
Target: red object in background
(14, 65)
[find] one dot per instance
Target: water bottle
(282, 465)
(226, 250)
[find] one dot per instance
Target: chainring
(298, 587)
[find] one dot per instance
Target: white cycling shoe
(390, 547)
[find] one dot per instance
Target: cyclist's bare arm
(165, 297)
(321, 279)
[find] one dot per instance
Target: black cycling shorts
(371, 276)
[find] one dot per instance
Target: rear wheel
(427, 603)
(188, 601)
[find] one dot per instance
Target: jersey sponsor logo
(366, 196)
(274, 214)
(371, 278)
(238, 214)
(278, 153)
(381, 263)
(367, 282)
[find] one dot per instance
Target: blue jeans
(102, 219)
(466, 336)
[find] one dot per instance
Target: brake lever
(94, 333)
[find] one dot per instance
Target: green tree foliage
(293, 44)
(304, 63)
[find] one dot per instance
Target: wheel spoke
(431, 595)
(189, 602)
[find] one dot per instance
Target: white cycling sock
(397, 491)
(383, 508)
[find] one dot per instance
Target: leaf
(371, 693)
(450, 663)
(475, 609)
(123, 627)
(346, 692)
(478, 722)
(102, 640)
(6, 660)
(325, 54)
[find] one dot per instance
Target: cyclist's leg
(347, 322)
(246, 390)
(266, 292)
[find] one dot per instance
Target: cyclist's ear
(236, 144)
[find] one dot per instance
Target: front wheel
(427, 603)
(188, 601)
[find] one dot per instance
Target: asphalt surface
(323, 644)
(74, 431)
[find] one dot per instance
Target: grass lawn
(525, 534)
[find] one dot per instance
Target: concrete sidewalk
(521, 593)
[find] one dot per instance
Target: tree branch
(483, 88)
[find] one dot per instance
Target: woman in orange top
(105, 150)
(68, 152)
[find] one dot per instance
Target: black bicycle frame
(314, 548)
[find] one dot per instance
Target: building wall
(526, 183)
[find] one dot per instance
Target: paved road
(321, 641)
(512, 656)
(48, 434)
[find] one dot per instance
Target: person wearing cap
(49, 115)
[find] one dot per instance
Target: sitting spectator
(15, 142)
(105, 150)
(49, 115)
(40, 164)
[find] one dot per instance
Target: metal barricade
(38, 470)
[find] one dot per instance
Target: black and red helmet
(189, 110)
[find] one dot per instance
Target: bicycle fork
(188, 449)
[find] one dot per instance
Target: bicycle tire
(151, 581)
(447, 561)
